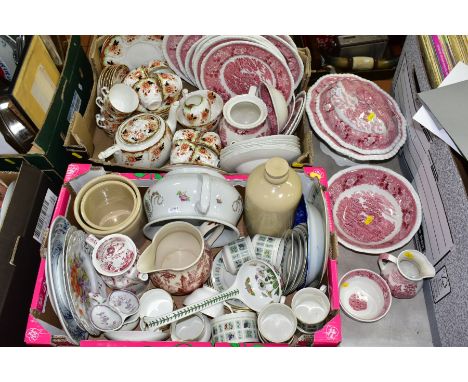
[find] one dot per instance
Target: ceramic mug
(276, 323)
(269, 249)
(149, 93)
(237, 253)
(113, 255)
(235, 327)
(120, 100)
(311, 307)
(406, 272)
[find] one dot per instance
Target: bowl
(277, 323)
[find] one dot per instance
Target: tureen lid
(140, 132)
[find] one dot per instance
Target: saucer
(364, 295)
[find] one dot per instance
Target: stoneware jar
(272, 194)
(143, 141)
(178, 259)
(405, 273)
(195, 194)
(245, 117)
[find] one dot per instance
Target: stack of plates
(111, 75)
(229, 65)
(355, 117)
(294, 261)
(243, 157)
(295, 112)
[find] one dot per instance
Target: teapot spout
(172, 118)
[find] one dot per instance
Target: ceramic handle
(213, 230)
(153, 323)
(384, 258)
(253, 90)
(100, 102)
(92, 240)
(203, 203)
(105, 91)
(108, 152)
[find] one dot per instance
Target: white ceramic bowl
(364, 295)
(194, 194)
(192, 328)
(277, 323)
(203, 293)
(279, 104)
(153, 303)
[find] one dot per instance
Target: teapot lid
(140, 132)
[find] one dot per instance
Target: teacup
(202, 294)
(311, 307)
(205, 157)
(182, 151)
(244, 118)
(111, 314)
(113, 255)
(193, 328)
(237, 253)
(149, 93)
(157, 66)
(121, 100)
(136, 75)
(154, 303)
(108, 125)
(171, 87)
(235, 327)
(277, 323)
(269, 249)
(196, 109)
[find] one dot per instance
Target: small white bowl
(193, 328)
(364, 295)
(154, 303)
(279, 104)
(277, 323)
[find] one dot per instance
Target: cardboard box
(85, 139)
(72, 95)
(43, 328)
(25, 224)
(433, 168)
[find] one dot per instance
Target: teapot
(405, 273)
(143, 141)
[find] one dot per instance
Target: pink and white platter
(230, 64)
(375, 210)
(355, 117)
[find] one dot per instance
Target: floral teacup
(136, 75)
(196, 109)
(149, 93)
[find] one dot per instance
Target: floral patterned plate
(375, 210)
(132, 51)
(81, 279)
(55, 283)
(231, 68)
(222, 280)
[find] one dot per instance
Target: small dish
(364, 295)
(127, 335)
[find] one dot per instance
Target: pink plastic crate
(36, 334)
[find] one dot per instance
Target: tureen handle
(203, 203)
(108, 152)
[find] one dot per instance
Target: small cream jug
(405, 273)
(272, 194)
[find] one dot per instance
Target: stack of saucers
(244, 157)
(111, 75)
(294, 263)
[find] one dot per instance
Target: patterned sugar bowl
(200, 110)
(235, 327)
(195, 147)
